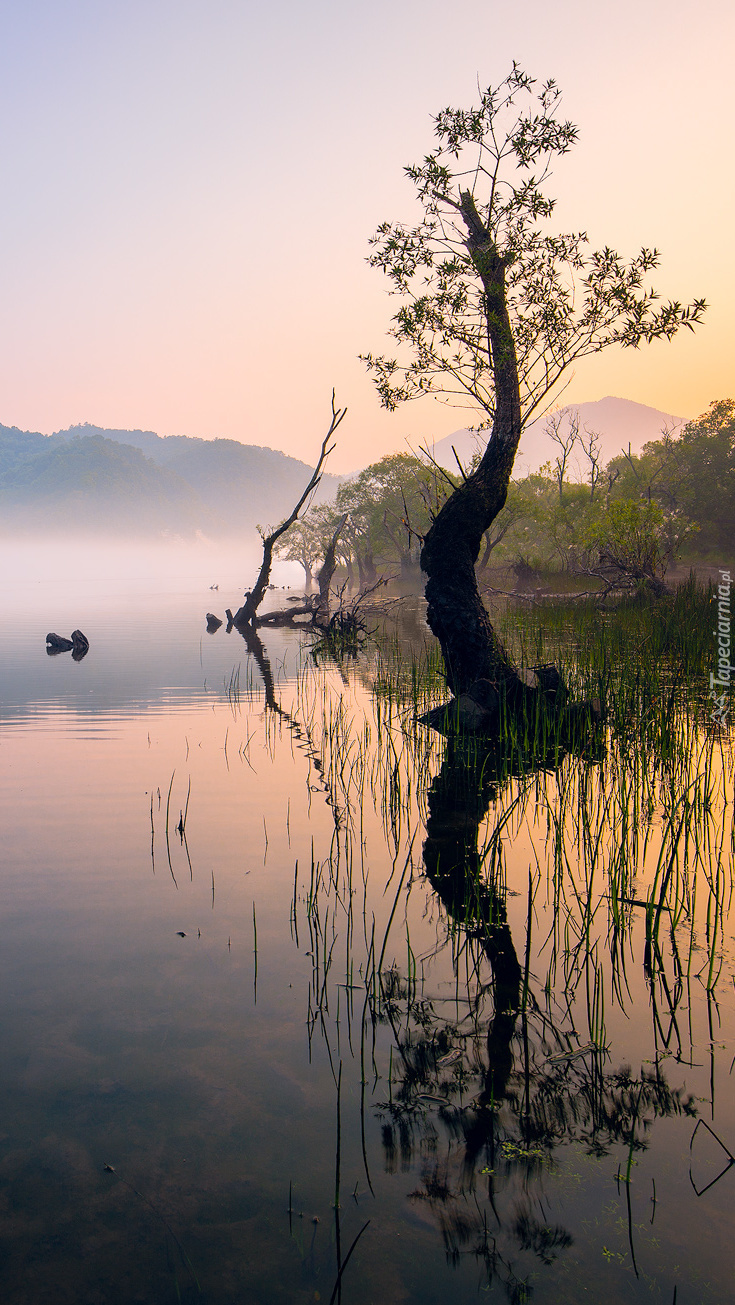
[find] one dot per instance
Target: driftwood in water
(246, 614)
(314, 610)
(287, 616)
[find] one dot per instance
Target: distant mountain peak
(620, 423)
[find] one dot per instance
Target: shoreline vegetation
(614, 527)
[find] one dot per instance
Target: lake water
(259, 1042)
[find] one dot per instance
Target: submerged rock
(549, 679)
(213, 623)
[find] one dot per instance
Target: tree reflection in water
(484, 1100)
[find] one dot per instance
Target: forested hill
(124, 482)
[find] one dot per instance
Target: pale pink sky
(189, 188)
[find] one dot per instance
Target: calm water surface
(247, 1015)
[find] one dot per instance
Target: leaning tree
(496, 307)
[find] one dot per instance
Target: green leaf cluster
(484, 203)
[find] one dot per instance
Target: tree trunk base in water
(485, 707)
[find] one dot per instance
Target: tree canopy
(484, 245)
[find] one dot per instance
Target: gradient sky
(188, 189)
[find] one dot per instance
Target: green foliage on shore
(622, 524)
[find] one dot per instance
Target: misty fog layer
(142, 606)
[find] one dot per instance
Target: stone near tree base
(485, 695)
(528, 677)
(473, 712)
(477, 711)
(471, 716)
(588, 711)
(549, 679)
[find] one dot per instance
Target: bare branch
(247, 612)
(462, 471)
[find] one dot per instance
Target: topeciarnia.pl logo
(721, 681)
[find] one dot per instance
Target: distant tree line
(623, 522)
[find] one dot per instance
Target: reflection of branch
(729, 1154)
(345, 1262)
(260, 657)
(301, 732)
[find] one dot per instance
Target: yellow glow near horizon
(189, 197)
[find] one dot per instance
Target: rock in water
(56, 643)
(80, 645)
(213, 623)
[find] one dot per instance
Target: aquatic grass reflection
(628, 844)
(510, 955)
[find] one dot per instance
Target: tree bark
(321, 615)
(455, 611)
(366, 571)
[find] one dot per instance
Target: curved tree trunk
(366, 569)
(456, 613)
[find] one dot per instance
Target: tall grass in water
(621, 841)
(625, 825)
(629, 823)
(479, 915)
